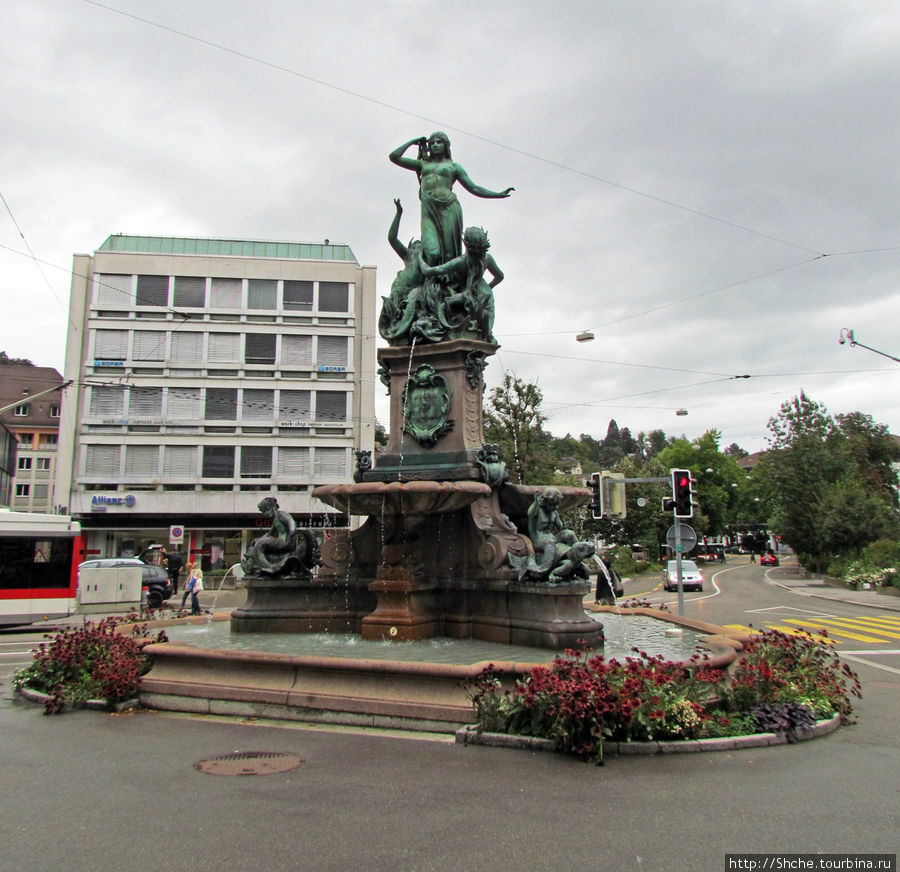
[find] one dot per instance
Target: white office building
(210, 373)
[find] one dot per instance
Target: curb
(38, 696)
(847, 601)
(469, 735)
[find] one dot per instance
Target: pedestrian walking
(174, 562)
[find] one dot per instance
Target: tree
(514, 420)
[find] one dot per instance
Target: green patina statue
(557, 557)
(441, 213)
(284, 551)
(440, 293)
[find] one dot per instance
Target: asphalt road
(91, 791)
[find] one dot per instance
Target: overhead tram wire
(444, 125)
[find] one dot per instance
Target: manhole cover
(249, 763)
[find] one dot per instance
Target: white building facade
(210, 373)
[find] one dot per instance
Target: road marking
(741, 627)
(837, 630)
(883, 652)
(865, 662)
(863, 624)
(804, 634)
(791, 609)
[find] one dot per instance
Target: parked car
(691, 577)
(768, 559)
(154, 578)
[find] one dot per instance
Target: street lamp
(847, 336)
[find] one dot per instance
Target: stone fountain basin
(401, 498)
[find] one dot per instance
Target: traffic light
(594, 484)
(682, 493)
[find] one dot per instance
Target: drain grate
(249, 763)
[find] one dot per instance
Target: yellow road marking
(862, 624)
(741, 627)
(793, 631)
(838, 630)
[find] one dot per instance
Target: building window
(332, 351)
(54, 411)
(224, 348)
(141, 461)
(26, 440)
(260, 348)
(40, 492)
(111, 345)
(256, 461)
(23, 463)
(43, 463)
(218, 461)
(333, 296)
(221, 404)
(298, 296)
(101, 461)
(145, 402)
(186, 348)
(189, 292)
(258, 405)
(22, 411)
(293, 463)
(183, 404)
(331, 406)
(152, 291)
(296, 351)
(107, 402)
(294, 406)
(148, 345)
(261, 293)
(331, 462)
(49, 440)
(112, 290)
(180, 461)
(225, 294)
(23, 490)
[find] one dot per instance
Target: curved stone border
(40, 697)
(470, 735)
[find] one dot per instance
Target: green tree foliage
(827, 482)
(514, 420)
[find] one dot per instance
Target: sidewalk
(788, 578)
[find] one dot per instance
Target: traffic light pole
(678, 566)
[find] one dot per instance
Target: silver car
(691, 577)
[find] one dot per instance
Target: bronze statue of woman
(442, 222)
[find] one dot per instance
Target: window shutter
(145, 401)
(101, 461)
(113, 290)
(107, 402)
(331, 406)
(298, 296)
(148, 345)
(218, 461)
(296, 351)
(225, 294)
(224, 348)
(186, 348)
(332, 351)
(189, 292)
(256, 461)
(261, 293)
(294, 405)
(334, 296)
(260, 348)
(293, 463)
(141, 462)
(152, 291)
(331, 462)
(110, 345)
(258, 405)
(180, 461)
(221, 404)
(183, 404)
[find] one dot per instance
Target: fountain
(450, 549)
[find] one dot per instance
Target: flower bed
(93, 665)
(780, 684)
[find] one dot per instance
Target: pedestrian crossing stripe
(862, 625)
(741, 627)
(885, 622)
(838, 630)
(806, 634)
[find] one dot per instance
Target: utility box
(109, 588)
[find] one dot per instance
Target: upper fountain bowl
(401, 497)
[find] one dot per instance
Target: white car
(691, 577)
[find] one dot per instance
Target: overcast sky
(682, 169)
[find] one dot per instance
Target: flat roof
(227, 247)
